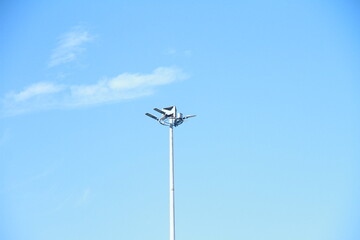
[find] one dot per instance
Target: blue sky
(272, 154)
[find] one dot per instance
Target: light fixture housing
(170, 116)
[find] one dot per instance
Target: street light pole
(172, 119)
(172, 187)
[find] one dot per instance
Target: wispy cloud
(41, 96)
(175, 52)
(36, 90)
(69, 46)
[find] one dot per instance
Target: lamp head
(170, 116)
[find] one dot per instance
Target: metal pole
(170, 118)
(172, 202)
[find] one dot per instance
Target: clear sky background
(273, 154)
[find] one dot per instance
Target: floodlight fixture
(189, 116)
(158, 110)
(171, 118)
(152, 116)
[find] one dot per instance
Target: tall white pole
(171, 118)
(172, 202)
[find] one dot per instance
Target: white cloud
(35, 90)
(40, 96)
(69, 46)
